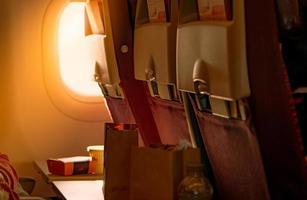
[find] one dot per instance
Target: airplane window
(76, 67)
(68, 69)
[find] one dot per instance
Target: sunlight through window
(76, 67)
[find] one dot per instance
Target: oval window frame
(78, 107)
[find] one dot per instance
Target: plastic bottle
(195, 186)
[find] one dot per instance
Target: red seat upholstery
(8, 178)
(273, 112)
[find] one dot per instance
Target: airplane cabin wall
(31, 127)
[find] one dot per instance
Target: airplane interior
(153, 99)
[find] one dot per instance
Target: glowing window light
(76, 67)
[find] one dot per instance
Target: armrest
(27, 183)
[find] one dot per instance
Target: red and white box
(71, 166)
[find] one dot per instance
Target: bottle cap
(193, 166)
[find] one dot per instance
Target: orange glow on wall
(76, 67)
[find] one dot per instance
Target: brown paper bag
(156, 173)
(119, 139)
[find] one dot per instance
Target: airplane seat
(265, 153)
(114, 73)
(219, 102)
(233, 151)
(272, 106)
(154, 56)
